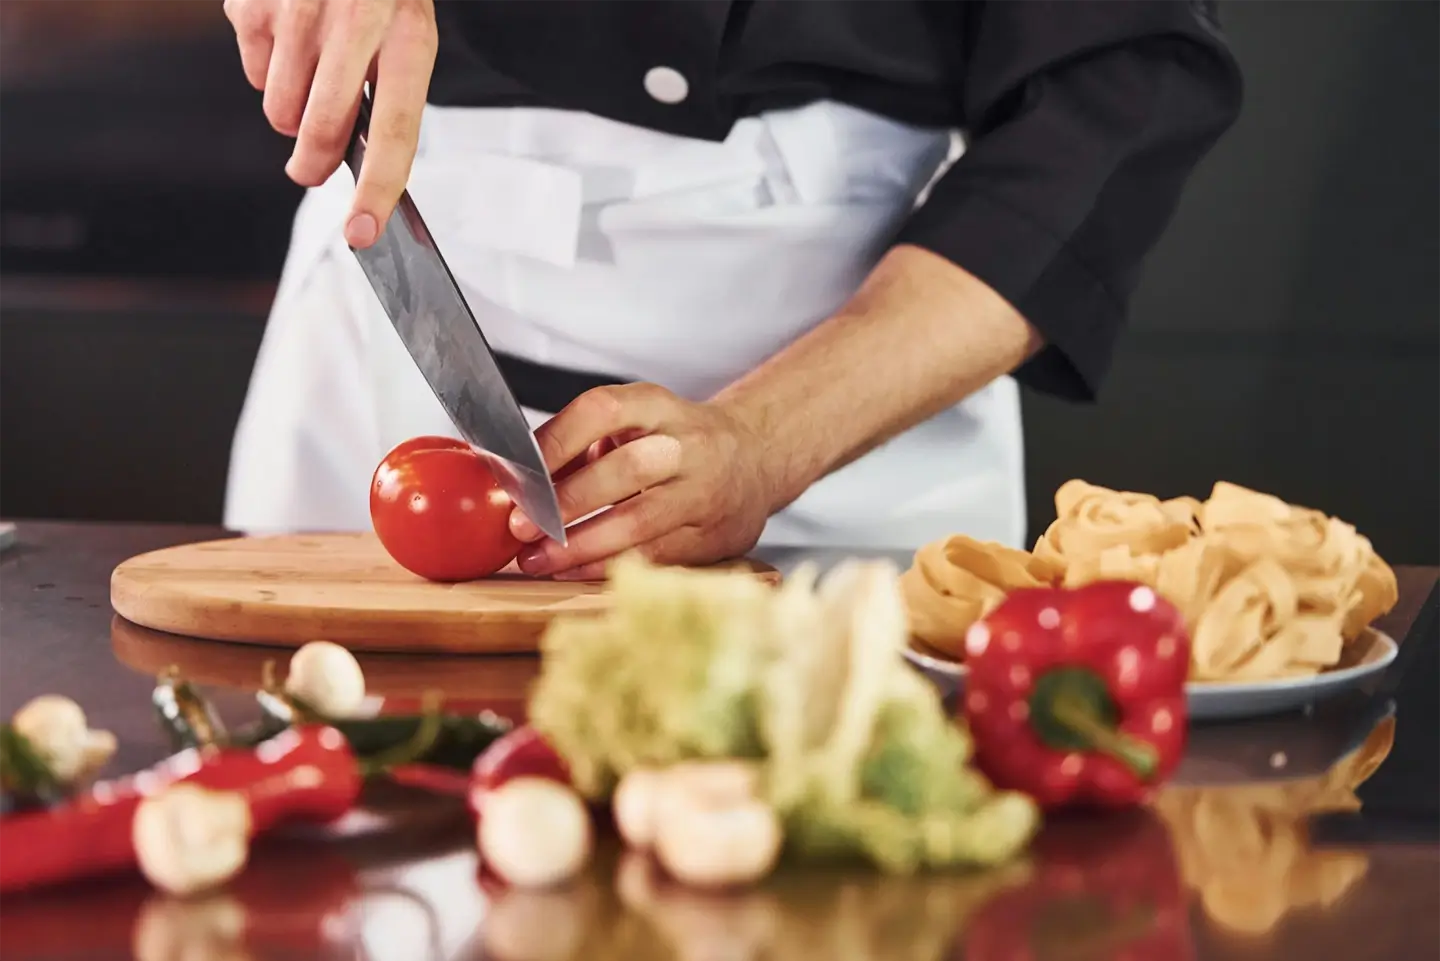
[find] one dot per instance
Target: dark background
(1287, 336)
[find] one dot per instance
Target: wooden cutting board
(290, 589)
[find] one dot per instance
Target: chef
(757, 271)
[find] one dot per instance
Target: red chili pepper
(1078, 696)
(430, 777)
(301, 774)
(521, 753)
(1104, 889)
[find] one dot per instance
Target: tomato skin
(439, 512)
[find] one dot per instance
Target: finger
(252, 34)
(625, 471)
(637, 521)
(255, 59)
(678, 548)
(346, 53)
(601, 413)
(292, 65)
(521, 525)
(402, 81)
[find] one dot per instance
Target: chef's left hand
(685, 482)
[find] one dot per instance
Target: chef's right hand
(312, 58)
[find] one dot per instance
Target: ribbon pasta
(1268, 589)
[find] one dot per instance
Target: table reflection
(1214, 868)
(1097, 887)
(1245, 850)
(494, 682)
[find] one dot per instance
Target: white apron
(589, 244)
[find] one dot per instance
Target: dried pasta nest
(1268, 589)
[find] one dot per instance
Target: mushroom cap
(188, 839)
(534, 833)
(327, 677)
(56, 727)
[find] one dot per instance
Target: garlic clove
(534, 832)
(188, 839)
(327, 678)
(55, 726)
(717, 846)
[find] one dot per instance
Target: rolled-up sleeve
(1083, 121)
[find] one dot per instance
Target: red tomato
(521, 753)
(439, 512)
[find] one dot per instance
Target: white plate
(1218, 700)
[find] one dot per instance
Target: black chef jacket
(1083, 118)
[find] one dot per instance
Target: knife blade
(433, 319)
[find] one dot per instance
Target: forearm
(919, 336)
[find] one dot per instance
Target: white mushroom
(534, 832)
(634, 806)
(56, 728)
(711, 829)
(188, 839)
(327, 678)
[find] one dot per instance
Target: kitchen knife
(431, 316)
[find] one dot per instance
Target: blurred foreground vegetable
(855, 751)
(305, 774)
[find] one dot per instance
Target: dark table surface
(1254, 853)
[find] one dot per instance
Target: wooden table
(1229, 844)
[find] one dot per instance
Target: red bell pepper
(1104, 889)
(301, 774)
(1078, 696)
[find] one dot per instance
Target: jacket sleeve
(1083, 119)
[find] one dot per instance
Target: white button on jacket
(666, 84)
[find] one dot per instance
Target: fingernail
(573, 574)
(361, 231)
(522, 527)
(534, 561)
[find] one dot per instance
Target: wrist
(780, 455)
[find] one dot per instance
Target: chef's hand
(685, 482)
(312, 58)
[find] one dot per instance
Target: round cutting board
(290, 589)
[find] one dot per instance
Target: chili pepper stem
(424, 739)
(1075, 714)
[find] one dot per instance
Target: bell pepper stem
(1075, 714)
